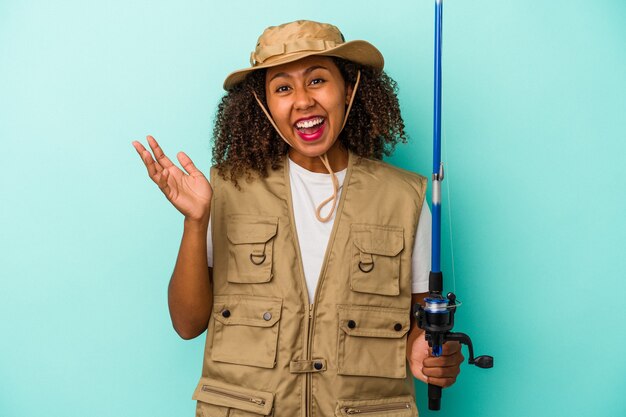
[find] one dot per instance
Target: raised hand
(189, 191)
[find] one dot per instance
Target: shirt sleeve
(421, 252)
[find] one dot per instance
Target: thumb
(416, 354)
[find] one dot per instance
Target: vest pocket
(371, 341)
(245, 330)
(220, 399)
(403, 406)
(375, 266)
(250, 250)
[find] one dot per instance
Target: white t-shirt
(308, 190)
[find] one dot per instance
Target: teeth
(309, 123)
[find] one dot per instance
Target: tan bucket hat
(295, 40)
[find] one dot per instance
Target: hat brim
(360, 52)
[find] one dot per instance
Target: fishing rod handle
(434, 397)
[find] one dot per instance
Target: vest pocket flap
(251, 229)
(247, 310)
(363, 321)
(228, 395)
(378, 240)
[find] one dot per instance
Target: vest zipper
(331, 239)
(309, 378)
(364, 409)
(303, 287)
(230, 394)
(329, 247)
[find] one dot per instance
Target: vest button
(397, 327)
(226, 313)
(267, 316)
(351, 324)
(318, 365)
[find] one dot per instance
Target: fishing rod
(436, 317)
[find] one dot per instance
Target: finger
(450, 348)
(145, 156)
(418, 373)
(158, 153)
(162, 182)
(442, 382)
(138, 147)
(448, 372)
(141, 151)
(152, 167)
(187, 163)
(443, 361)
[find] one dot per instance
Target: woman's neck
(337, 157)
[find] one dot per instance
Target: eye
(281, 89)
(316, 81)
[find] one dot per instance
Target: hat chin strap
(323, 157)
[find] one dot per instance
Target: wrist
(196, 224)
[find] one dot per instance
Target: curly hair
(246, 142)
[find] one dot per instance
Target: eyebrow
(306, 72)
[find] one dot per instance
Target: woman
(315, 249)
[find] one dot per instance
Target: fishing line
(447, 185)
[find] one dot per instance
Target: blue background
(534, 114)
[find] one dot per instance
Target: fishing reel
(437, 319)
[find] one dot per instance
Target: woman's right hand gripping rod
(436, 318)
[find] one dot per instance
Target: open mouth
(310, 129)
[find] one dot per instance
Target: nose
(302, 100)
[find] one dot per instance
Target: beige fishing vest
(270, 351)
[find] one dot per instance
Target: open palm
(189, 191)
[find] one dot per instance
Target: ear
(349, 90)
